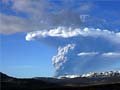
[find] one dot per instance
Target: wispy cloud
(112, 54)
(108, 54)
(87, 53)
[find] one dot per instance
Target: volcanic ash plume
(81, 50)
(61, 58)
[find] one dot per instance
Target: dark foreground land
(10, 83)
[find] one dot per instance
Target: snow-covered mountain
(94, 74)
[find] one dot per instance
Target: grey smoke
(35, 15)
(32, 15)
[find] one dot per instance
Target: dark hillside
(10, 83)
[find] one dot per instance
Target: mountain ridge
(46, 83)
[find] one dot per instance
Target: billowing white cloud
(57, 32)
(70, 32)
(112, 54)
(87, 53)
(61, 57)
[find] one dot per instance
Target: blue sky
(49, 37)
(25, 59)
